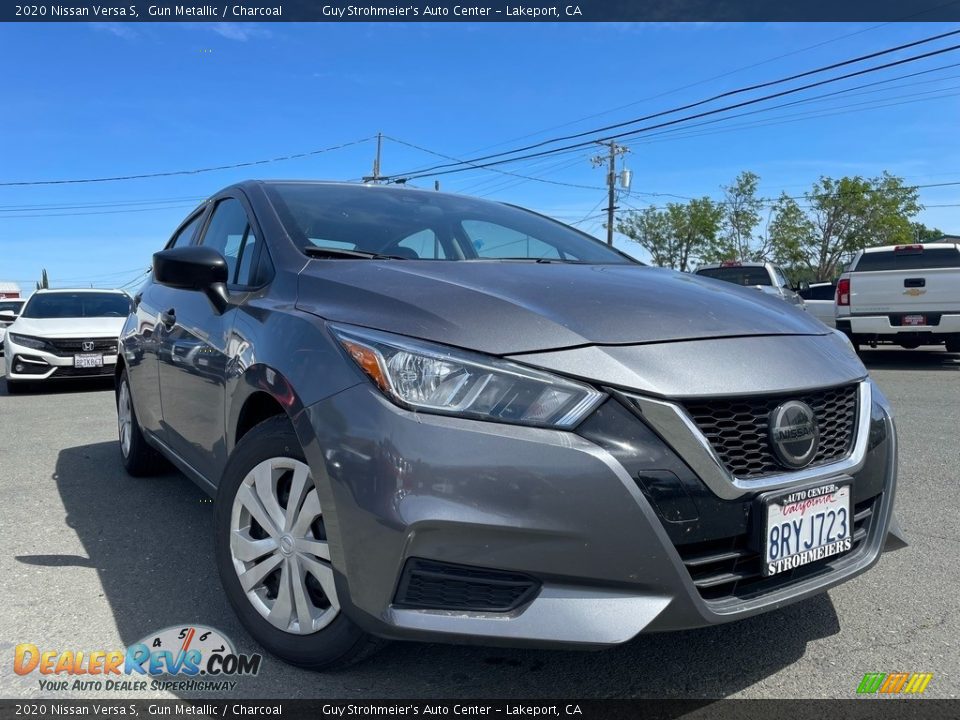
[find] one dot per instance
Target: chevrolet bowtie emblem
(914, 292)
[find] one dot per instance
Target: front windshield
(77, 305)
(420, 225)
(749, 276)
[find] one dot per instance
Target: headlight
(433, 378)
(30, 342)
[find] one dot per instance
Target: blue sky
(94, 100)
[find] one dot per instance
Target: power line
(97, 212)
(194, 171)
(497, 170)
(696, 115)
(693, 84)
(476, 161)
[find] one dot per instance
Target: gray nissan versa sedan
(431, 417)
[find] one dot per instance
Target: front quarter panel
(285, 353)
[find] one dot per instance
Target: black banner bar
(855, 709)
(335, 11)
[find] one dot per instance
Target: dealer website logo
(899, 683)
(193, 657)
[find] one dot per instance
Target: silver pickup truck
(908, 295)
(765, 277)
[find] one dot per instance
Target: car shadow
(150, 542)
(901, 359)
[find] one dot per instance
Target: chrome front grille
(736, 428)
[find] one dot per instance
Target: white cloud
(120, 30)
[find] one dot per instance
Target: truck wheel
(953, 344)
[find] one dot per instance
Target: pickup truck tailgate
(903, 291)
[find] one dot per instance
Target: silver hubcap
(124, 418)
(279, 548)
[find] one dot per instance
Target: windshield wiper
(538, 259)
(330, 253)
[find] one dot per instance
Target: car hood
(68, 327)
(505, 307)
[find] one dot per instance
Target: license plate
(88, 361)
(914, 319)
(806, 525)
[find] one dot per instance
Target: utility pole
(376, 177)
(611, 161)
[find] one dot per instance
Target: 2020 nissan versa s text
(431, 417)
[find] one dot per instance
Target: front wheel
(16, 387)
(273, 555)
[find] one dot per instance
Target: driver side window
(229, 232)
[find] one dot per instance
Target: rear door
(909, 279)
(194, 354)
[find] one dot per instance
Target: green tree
(742, 209)
(840, 217)
(44, 283)
(923, 234)
(677, 236)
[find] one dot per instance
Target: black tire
(340, 643)
(17, 387)
(140, 459)
(953, 345)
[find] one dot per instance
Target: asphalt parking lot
(93, 559)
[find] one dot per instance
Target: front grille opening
(70, 371)
(729, 568)
(64, 347)
(428, 584)
(737, 428)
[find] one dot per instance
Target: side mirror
(194, 267)
(7, 316)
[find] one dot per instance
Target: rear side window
(738, 275)
(819, 292)
(911, 258)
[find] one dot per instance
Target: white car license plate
(914, 320)
(94, 360)
(806, 525)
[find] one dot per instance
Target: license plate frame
(913, 320)
(809, 502)
(88, 361)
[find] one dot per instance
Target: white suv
(65, 334)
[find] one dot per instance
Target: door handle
(915, 282)
(169, 318)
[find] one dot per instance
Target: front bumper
(26, 364)
(577, 511)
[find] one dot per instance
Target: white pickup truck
(908, 295)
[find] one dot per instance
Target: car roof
(717, 266)
(395, 188)
(926, 246)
